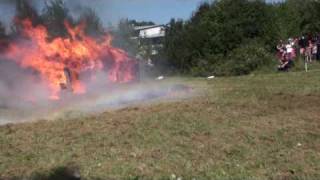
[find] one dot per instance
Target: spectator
(289, 50)
(295, 45)
(280, 49)
(285, 63)
(287, 53)
(314, 50)
(318, 47)
(308, 51)
(303, 43)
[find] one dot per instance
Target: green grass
(250, 127)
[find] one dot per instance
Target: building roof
(138, 28)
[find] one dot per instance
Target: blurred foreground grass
(250, 127)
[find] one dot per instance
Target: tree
(205, 42)
(141, 23)
(24, 10)
(54, 15)
(93, 23)
(309, 13)
(2, 31)
(174, 46)
(3, 37)
(297, 17)
(124, 37)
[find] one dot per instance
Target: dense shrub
(241, 61)
(247, 59)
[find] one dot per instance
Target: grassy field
(250, 127)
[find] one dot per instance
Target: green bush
(203, 68)
(246, 59)
(241, 61)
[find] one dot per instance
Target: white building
(150, 38)
(156, 31)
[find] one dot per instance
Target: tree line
(236, 37)
(223, 37)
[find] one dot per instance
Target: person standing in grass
(308, 52)
(314, 50)
(303, 43)
(289, 51)
(318, 47)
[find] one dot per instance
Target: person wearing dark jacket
(318, 47)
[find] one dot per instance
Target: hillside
(257, 126)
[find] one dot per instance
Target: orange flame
(75, 55)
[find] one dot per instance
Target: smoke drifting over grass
(24, 94)
(102, 97)
(17, 84)
(19, 88)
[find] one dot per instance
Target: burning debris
(63, 61)
(45, 74)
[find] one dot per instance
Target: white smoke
(24, 96)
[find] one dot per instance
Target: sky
(111, 11)
(158, 11)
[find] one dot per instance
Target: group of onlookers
(306, 47)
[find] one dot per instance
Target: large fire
(61, 61)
